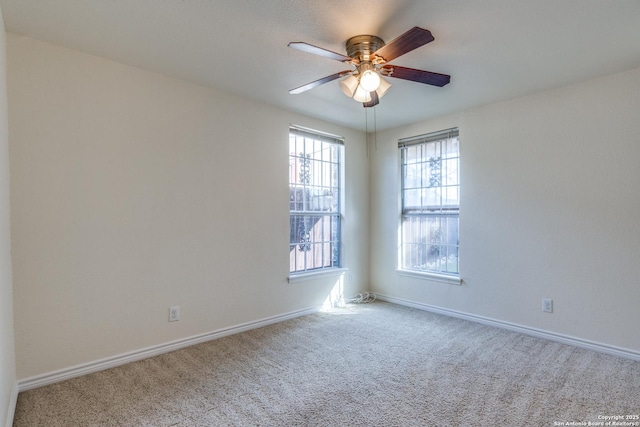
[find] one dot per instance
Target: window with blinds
(315, 164)
(430, 192)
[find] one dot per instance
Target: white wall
(7, 354)
(133, 191)
(550, 208)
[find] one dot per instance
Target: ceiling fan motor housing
(362, 47)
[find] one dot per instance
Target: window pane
(431, 198)
(452, 196)
(450, 171)
(430, 205)
(412, 199)
(314, 194)
(430, 243)
(410, 155)
(412, 176)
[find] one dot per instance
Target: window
(430, 202)
(315, 163)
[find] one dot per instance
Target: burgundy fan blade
(427, 77)
(374, 100)
(306, 47)
(412, 39)
(319, 82)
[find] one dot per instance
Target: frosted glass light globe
(349, 86)
(362, 95)
(370, 81)
(383, 88)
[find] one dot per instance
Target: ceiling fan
(370, 58)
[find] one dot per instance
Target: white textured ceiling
(493, 49)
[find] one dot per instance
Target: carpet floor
(375, 364)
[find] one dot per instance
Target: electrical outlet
(547, 305)
(174, 313)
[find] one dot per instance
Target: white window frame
(327, 215)
(412, 242)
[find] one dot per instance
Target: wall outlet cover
(174, 313)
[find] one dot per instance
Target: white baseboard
(121, 359)
(539, 333)
(111, 362)
(12, 405)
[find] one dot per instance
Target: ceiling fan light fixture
(349, 85)
(362, 95)
(370, 80)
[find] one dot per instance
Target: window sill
(453, 280)
(313, 275)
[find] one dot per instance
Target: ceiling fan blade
(319, 82)
(412, 39)
(306, 47)
(374, 100)
(420, 76)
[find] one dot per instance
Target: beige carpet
(367, 365)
